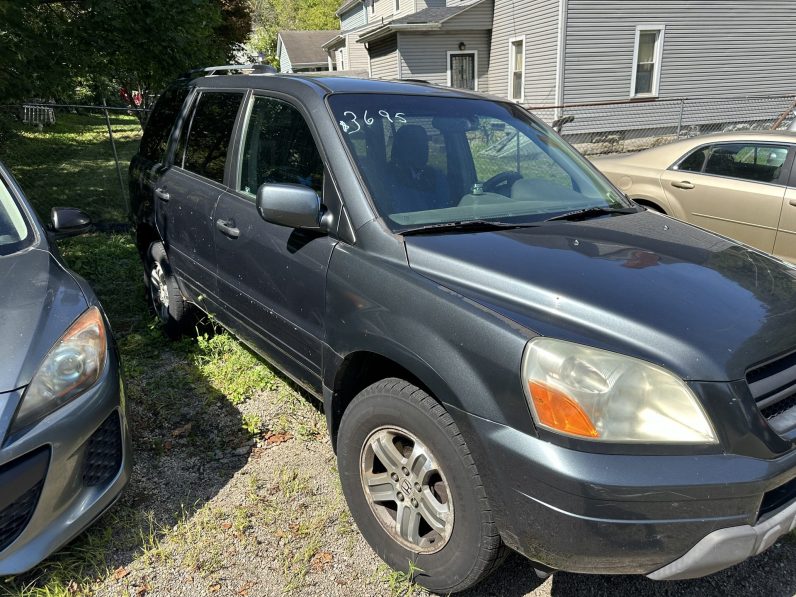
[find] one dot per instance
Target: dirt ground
(273, 520)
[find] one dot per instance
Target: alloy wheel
(406, 490)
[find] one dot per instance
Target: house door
(461, 66)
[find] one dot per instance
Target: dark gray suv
(509, 351)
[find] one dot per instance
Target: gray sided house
(644, 54)
(302, 51)
(649, 54)
(446, 45)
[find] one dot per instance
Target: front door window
(279, 148)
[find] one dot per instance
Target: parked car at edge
(64, 445)
(741, 185)
(509, 352)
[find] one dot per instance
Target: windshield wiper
(593, 212)
(464, 226)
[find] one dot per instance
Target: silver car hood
(39, 299)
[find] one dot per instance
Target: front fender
(467, 355)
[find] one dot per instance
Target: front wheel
(414, 490)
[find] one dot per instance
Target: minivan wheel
(164, 292)
(413, 488)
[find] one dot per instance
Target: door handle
(227, 228)
(792, 202)
(684, 184)
(161, 194)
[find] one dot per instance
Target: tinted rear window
(210, 133)
(161, 121)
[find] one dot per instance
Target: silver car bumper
(727, 547)
(62, 474)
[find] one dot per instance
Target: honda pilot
(510, 353)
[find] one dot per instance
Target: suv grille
(103, 453)
(773, 387)
(15, 517)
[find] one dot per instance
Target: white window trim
(511, 67)
(396, 8)
(656, 80)
(473, 53)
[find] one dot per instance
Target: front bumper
(63, 473)
(727, 547)
(667, 517)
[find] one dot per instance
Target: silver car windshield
(433, 160)
(15, 233)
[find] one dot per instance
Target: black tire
(171, 307)
(472, 548)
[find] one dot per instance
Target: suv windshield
(436, 160)
(15, 233)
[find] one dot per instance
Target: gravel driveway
(272, 520)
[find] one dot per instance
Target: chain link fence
(72, 155)
(627, 126)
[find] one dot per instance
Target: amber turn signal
(558, 411)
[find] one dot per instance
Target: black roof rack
(230, 69)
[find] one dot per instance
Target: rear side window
(279, 148)
(695, 161)
(160, 123)
(210, 133)
(758, 163)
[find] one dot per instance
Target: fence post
(116, 158)
(680, 121)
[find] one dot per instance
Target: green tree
(50, 47)
(272, 16)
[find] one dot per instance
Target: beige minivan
(738, 184)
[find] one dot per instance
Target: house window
(463, 70)
(517, 68)
(647, 60)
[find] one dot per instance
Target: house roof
(305, 48)
(428, 19)
(434, 14)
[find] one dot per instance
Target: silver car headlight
(72, 366)
(594, 394)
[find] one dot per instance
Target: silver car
(64, 444)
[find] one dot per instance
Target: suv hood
(645, 285)
(39, 299)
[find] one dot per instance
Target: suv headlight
(72, 366)
(599, 395)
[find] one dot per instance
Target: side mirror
(292, 205)
(69, 221)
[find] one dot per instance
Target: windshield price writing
(352, 125)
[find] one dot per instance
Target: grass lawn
(71, 163)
